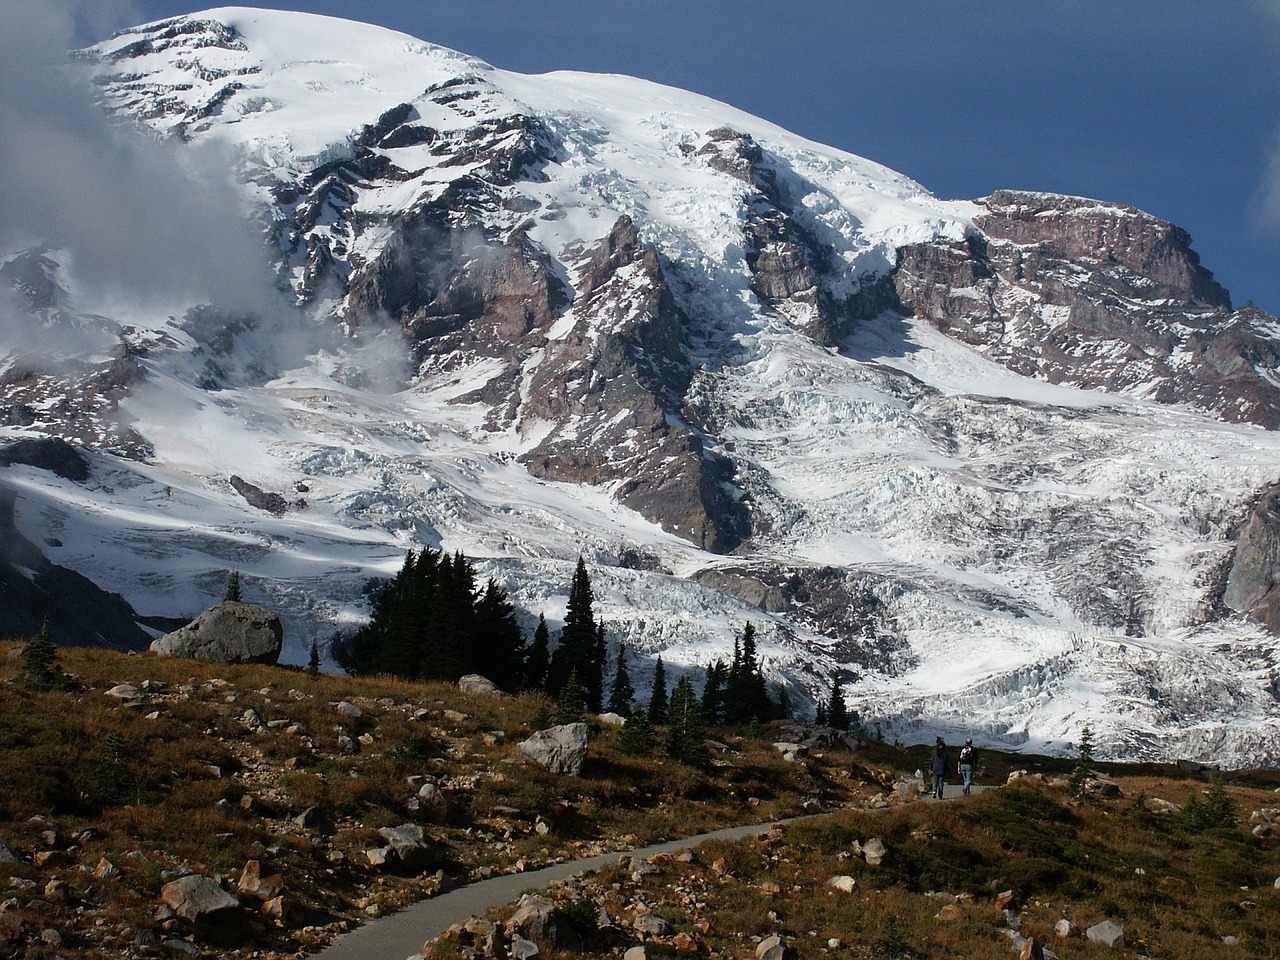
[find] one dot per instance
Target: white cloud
(142, 222)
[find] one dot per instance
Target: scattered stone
(348, 710)
(476, 685)
(791, 752)
(1162, 807)
(1004, 900)
(197, 897)
(413, 851)
(12, 926)
(1031, 950)
(314, 819)
(775, 948)
(1066, 930)
(284, 910)
(560, 749)
(7, 855)
(229, 632)
(51, 937)
(124, 691)
(182, 948)
(845, 884)
(874, 851)
(1102, 789)
(105, 870)
(636, 953)
(522, 949)
(649, 925)
(1107, 933)
(252, 882)
(951, 912)
(536, 918)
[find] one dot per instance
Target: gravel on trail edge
(402, 934)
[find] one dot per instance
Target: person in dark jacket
(938, 767)
(966, 764)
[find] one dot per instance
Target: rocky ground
(172, 807)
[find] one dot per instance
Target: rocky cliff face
(537, 317)
(1098, 296)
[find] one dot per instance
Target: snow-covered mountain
(1003, 465)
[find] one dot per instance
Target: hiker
(967, 763)
(938, 767)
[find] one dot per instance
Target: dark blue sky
(1171, 106)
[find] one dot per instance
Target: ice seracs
(984, 459)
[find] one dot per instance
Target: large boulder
(230, 632)
(561, 749)
(198, 898)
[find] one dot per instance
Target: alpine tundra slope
(997, 464)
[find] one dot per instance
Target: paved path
(400, 935)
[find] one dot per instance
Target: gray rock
(7, 855)
(197, 897)
(230, 632)
(313, 818)
(1107, 933)
(651, 926)
(637, 952)
(476, 685)
(1066, 930)
(561, 749)
(411, 848)
(522, 949)
(348, 710)
(775, 948)
(874, 851)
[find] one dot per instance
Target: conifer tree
(539, 657)
(686, 726)
(233, 587)
(429, 622)
(658, 698)
(621, 693)
(746, 698)
(1083, 770)
(820, 714)
(313, 664)
(40, 662)
(713, 692)
(579, 650)
(499, 653)
(571, 702)
(837, 712)
(636, 737)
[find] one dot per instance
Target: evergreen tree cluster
(735, 693)
(432, 623)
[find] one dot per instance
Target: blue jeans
(937, 784)
(966, 776)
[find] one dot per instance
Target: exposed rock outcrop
(1253, 579)
(1101, 296)
(35, 591)
(230, 632)
(616, 394)
(561, 749)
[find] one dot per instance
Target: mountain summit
(1002, 466)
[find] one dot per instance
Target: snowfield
(1004, 532)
